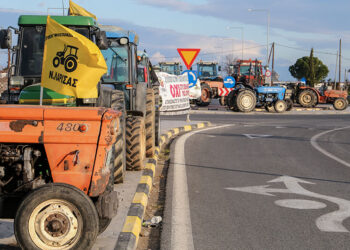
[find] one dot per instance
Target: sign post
(188, 56)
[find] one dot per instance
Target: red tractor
(309, 97)
(248, 72)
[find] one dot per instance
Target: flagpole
(41, 95)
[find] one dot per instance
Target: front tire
(340, 104)
(56, 216)
(280, 106)
(135, 143)
(205, 98)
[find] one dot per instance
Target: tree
(228, 61)
(309, 67)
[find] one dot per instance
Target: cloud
(299, 15)
(157, 57)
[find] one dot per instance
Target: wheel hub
(247, 101)
(55, 224)
(307, 98)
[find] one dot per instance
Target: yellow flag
(72, 64)
(76, 10)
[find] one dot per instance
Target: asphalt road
(261, 182)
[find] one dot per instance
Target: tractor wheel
(246, 101)
(307, 98)
(280, 106)
(289, 104)
(150, 122)
(56, 216)
(56, 62)
(270, 108)
(340, 104)
(118, 103)
(157, 124)
(70, 64)
(135, 142)
(205, 98)
(222, 100)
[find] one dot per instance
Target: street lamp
(242, 35)
(268, 31)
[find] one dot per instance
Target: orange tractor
(56, 174)
(309, 97)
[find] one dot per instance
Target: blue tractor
(244, 98)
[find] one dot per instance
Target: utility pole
(339, 79)
(273, 62)
(336, 70)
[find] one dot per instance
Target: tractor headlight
(123, 41)
(16, 80)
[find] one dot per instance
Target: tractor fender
(140, 98)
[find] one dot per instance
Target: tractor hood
(25, 124)
(31, 95)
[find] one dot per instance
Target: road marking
(300, 204)
(330, 222)
(280, 127)
(253, 136)
(181, 226)
(326, 153)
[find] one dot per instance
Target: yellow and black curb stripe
(129, 235)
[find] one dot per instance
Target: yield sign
(188, 56)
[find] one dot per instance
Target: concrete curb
(129, 235)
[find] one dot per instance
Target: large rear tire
(340, 104)
(56, 216)
(157, 116)
(205, 98)
(246, 101)
(150, 123)
(135, 143)
(307, 98)
(118, 103)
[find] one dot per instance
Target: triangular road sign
(188, 56)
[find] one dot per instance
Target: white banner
(174, 92)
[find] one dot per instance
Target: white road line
(181, 226)
(326, 153)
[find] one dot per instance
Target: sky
(217, 26)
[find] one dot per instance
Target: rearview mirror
(101, 40)
(5, 39)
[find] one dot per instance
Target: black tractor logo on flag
(68, 59)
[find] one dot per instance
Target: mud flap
(107, 205)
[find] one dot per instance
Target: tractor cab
(247, 72)
(173, 68)
(208, 70)
(27, 58)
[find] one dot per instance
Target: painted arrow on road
(330, 222)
